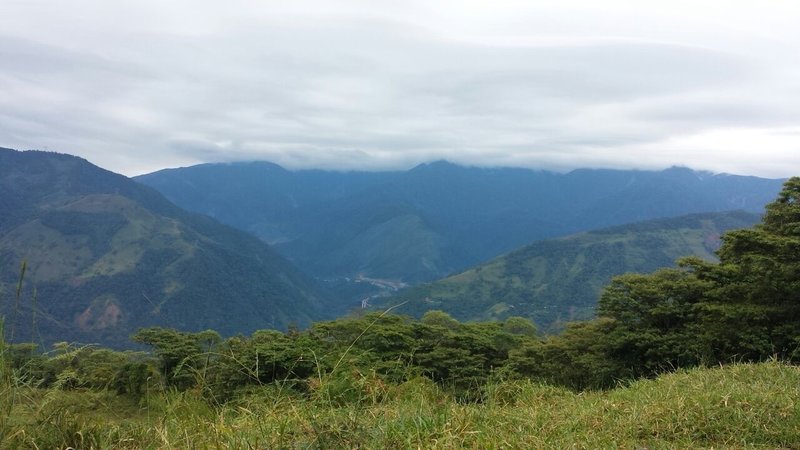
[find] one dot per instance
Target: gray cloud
(364, 86)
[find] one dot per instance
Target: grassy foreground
(736, 406)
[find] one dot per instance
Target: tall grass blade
(17, 297)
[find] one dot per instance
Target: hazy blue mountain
(557, 280)
(438, 218)
(107, 255)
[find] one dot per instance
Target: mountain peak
(686, 173)
(441, 164)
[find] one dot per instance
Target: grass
(736, 406)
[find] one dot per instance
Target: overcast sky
(136, 86)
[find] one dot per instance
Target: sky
(137, 86)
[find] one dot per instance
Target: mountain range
(439, 218)
(107, 255)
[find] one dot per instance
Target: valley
(440, 219)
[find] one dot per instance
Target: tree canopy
(745, 307)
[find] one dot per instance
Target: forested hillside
(559, 280)
(105, 255)
(438, 218)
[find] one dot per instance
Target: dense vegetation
(559, 280)
(438, 218)
(738, 406)
(382, 380)
(106, 255)
(745, 307)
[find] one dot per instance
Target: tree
(440, 319)
(179, 353)
(519, 325)
(746, 307)
(759, 281)
(578, 358)
(654, 316)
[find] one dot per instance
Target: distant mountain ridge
(107, 255)
(438, 218)
(558, 280)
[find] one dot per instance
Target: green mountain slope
(558, 280)
(107, 255)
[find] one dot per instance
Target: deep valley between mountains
(245, 246)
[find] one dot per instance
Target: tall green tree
(745, 307)
(758, 277)
(180, 354)
(654, 320)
